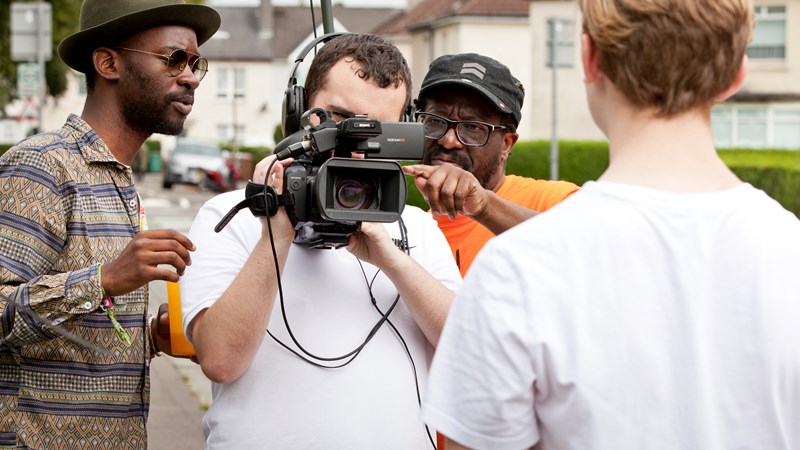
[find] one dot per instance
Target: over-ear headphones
(408, 114)
(294, 100)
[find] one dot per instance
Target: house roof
(429, 11)
(241, 27)
(238, 36)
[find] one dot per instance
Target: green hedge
(579, 161)
(777, 172)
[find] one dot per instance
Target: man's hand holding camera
(373, 245)
(282, 228)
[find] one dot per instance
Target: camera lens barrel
(355, 192)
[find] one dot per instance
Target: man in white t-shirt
(658, 307)
(284, 390)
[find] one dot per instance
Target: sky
(352, 3)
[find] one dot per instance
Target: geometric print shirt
(67, 205)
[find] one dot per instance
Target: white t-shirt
(282, 402)
(628, 318)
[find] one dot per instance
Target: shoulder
(217, 207)
(226, 200)
(518, 181)
(533, 193)
(41, 149)
(760, 209)
(46, 158)
(411, 212)
(419, 221)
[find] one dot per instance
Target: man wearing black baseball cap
(75, 339)
(470, 106)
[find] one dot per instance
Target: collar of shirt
(92, 147)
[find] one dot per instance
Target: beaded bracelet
(107, 305)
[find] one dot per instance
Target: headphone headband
(302, 55)
(294, 102)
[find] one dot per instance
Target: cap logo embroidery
(474, 69)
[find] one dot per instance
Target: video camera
(326, 192)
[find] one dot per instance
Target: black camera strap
(262, 201)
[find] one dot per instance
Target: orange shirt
(466, 237)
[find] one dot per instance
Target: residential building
(765, 113)
(254, 51)
(250, 59)
(496, 28)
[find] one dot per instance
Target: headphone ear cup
(293, 109)
(408, 114)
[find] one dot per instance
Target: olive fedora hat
(106, 22)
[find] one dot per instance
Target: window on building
(751, 127)
(786, 130)
(769, 36)
(561, 38)
(722, 127)
(756, 126)
(230, 82)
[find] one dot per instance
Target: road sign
(31, 31)
(27, 79)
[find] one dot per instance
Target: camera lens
(355, 193)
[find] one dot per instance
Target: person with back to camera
(75, 339)
(658, 306)
(470, 106)
(268, 396)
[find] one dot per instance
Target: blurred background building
(239, 102)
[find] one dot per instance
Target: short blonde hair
(670, 55)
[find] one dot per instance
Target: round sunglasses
(178, 60)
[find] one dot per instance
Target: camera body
(332, 193)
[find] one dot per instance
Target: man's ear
(590, 56)
(737, 82)
(105, 63)
(508, 143)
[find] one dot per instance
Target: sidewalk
(175, 413)
(179, 392)
(179, 396)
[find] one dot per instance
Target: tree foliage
(66, 15)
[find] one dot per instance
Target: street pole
(327, 16)
(554, 30)
(40, 58)
(235, 118)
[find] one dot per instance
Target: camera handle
(262, 201)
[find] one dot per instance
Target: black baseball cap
(487, 76)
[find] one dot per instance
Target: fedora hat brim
(76, 50)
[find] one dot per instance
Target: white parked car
(189, 161)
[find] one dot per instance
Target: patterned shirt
(67, 205)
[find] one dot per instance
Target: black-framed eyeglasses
(178, 60)
(471, 133)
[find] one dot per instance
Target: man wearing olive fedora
(76, 258)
